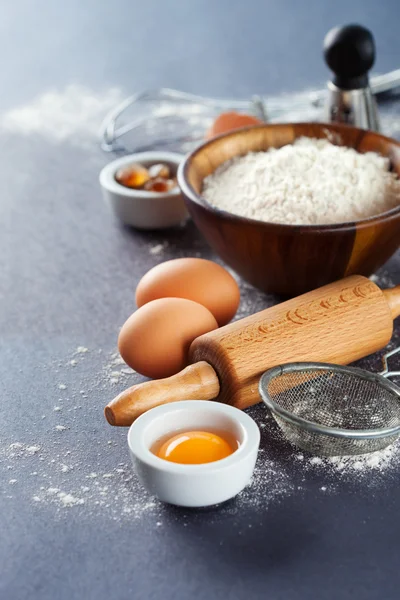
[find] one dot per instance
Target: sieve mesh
(357, 407)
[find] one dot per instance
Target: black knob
(350, 53)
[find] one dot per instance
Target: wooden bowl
(290, 259)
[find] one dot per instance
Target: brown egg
(229, 121)
(196, 279)
(155, 339)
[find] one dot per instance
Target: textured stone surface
(67, 279)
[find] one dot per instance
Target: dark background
(67, 278)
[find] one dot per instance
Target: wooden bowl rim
(190, 193)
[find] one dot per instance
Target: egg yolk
(195, 447)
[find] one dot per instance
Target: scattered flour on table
(359, 466)
(269, 483)
(17, 449)
(158, 249)
(384, 280)
(81, 350)
(75, 486)
(69, 499)
(65, 474)
(78, 472)
(72, 113)
(73, 466)
(116, 370)
(308, 182)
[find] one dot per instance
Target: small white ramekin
(193, 485)
(138, 208)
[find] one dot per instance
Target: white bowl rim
(107, 174)
(251, 437)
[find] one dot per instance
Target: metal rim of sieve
(336, 432)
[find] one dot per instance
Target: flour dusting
(73, 476)
(358, 466)
(78, 464)
(72, 113)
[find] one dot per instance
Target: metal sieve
(332, 410)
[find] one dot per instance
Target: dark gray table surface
(67, 279)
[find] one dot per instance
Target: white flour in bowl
(309, 182)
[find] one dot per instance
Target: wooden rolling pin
(338, 323)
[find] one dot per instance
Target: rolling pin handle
(392, 296)
(197, 382)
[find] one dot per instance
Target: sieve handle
(386, 372)
(392, 296)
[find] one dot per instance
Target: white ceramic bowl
(194, 485)
(138, 208)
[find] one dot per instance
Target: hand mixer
(338, 323)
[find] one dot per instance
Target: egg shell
(155, 340)
(196, 279)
